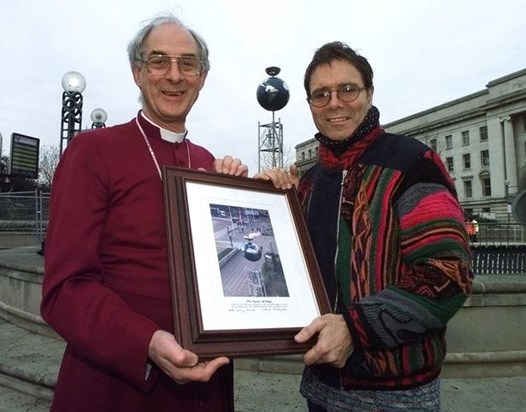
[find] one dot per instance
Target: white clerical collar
(169, 136)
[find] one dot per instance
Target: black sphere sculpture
(273, 93)
(251, 251)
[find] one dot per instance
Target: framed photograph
(243, 274)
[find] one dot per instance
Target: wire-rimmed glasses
(160, 64)
(348, 93)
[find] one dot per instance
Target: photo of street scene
(246, 250)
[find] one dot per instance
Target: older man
(106, 287)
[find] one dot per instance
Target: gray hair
(135, 46)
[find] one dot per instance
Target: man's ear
(203, 79)
(370, 93)
(136, 71)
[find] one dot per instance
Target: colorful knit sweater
(389, 237)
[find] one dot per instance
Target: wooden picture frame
(243, 274)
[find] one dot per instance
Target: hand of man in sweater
(281, 178)
(334, 345)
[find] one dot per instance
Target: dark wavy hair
(337, 50)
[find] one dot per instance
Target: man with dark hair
(390, 240)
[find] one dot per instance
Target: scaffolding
(270, 144)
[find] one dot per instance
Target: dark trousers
(315, 408)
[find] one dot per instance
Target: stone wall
(487, 337)
(10, 239)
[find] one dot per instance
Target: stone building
(306, 154)
(480, 137)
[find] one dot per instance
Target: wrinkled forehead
(170, 39)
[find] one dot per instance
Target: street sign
(24, 156)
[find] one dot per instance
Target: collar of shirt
(172, 137)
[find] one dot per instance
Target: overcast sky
(423, 52)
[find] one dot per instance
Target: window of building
(310, 153)
(468, 188)
(465, 138)
(449, 164)
(483, 132)
(449, 142)
(433, 144)
(486, 186)
(486, 210)
(484, 157)
(466, 158)
(302, 156)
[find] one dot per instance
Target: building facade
(481, 139)
(306, 154)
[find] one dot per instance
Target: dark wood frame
(183, 277)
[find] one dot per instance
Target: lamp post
(73, 84)
(98, 117)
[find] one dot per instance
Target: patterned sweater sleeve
(433, 275)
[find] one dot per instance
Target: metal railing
(24, 211)
(499, 260)
(499, 234)
(498, 247)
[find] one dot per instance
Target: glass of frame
(243, 274)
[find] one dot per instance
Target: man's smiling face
(338, 120)
(168, 98)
